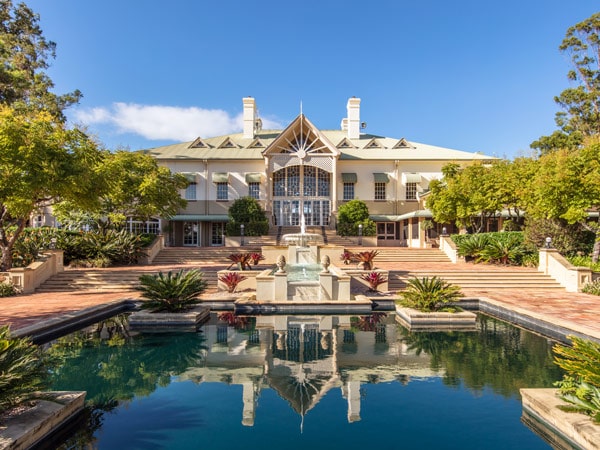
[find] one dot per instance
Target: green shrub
(23, 369)
(351, 215)
(430, 294)
(592, 288)
(505, 247)
(171, 292)
(504, 251)
(471, 245)
(247, 211)
(584, 261)
(7, 289)
(567, 239)
(581, 384)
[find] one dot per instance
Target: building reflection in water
(304, 357)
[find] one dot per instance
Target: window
(411, 191)
(222, 191)
(254, 190)
(348, 191)
(139, 227)
(190, 191)
(380, 191)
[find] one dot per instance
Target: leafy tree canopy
(580, 115)
(41, 160)
(351, 215)
(134, 186)
(24, 55)
(247, 211)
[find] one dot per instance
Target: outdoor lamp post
(360, 226)
(444, 231)
(53, 244)
(242, 234)
(548, 242)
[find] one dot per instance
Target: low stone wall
(448, 246)
(572, 278)
(31, 427)
(29, 278)
(543, 406)
(152, 250)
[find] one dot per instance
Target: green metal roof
(191, 177)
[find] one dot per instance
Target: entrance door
(190, 234)
(217, 234)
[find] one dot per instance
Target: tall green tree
(566, 186)
(580, 104)
(134, 186)
(24, 57)
(40, 161)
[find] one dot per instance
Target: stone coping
(414, 319)
(24, 430)
(147, 319)
(46, 329)
(543, 406)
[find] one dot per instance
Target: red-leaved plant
(374, 279)
(231, 280)
(256, 257)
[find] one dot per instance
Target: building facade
(302, 175)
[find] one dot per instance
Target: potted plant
(365, 259)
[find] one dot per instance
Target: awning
(191, 177)
(220, 177)
(412, 177)
(384, 218)
(381, 178)
(349, 178)
(397, 218)
(200, 218)
(253, 177)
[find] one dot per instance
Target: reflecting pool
(299, 382)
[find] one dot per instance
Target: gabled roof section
(198, 143)
(257, 143)
(373, 143)
(228, 143)
(345, 143)
(403, 143)
(301, 138)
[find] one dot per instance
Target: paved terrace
(579, 312)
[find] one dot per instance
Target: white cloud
(156, 122)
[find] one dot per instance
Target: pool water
(296, 382)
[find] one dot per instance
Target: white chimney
(353, 108)
(249, 117)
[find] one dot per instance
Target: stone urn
(325, 262)
(281, 264)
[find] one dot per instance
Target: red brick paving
(580, 312)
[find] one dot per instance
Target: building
(303, 173)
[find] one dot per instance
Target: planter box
(188, 319)
(413, 319)
(35, 424)
(557, 427)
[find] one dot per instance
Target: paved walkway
(578, 312)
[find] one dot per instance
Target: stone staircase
(402, 263)
(481, 279)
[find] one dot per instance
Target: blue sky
(472, 75)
